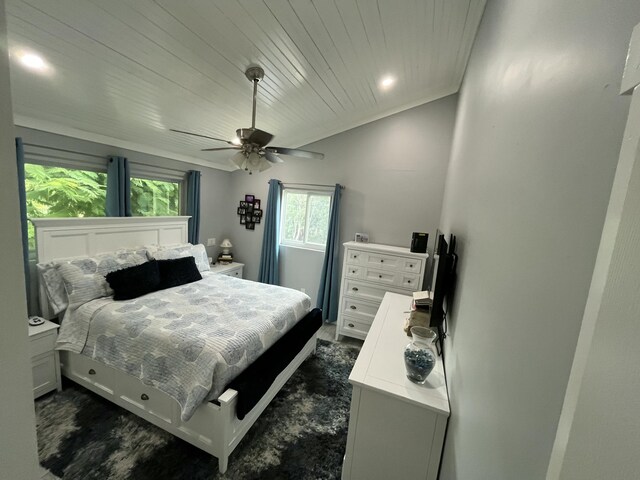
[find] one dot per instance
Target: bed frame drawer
(143, 398)
(100, 376)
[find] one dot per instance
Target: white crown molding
(58, 129)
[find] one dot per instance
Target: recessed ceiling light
(33, 61)
(387, 82)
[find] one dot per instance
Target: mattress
(189, 341)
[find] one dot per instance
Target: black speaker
(419, 242)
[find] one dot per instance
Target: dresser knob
(351, 325)
(381, 261)
(353, 271)
(379, 276)
(410, 266)
(144, 396)
(92, 372)
(355, 289)
(352, 307)
(408, 281)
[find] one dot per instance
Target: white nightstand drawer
(234, 273)
(44, 375)
(42, 343)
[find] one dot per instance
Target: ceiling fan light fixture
(239, 159)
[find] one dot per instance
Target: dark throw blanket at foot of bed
(301, 435)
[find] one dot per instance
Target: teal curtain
(22, 195)
(329, 290)
(118, 188)
(269, 260)
(193, 205)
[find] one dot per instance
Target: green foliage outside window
(68, 192)
(305, 218)
(154, 197)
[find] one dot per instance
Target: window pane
(318, 222)
(63, 192)
(294, 218)
(150, 198)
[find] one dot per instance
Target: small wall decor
(250, 212)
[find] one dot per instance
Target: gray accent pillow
(186, 250)
(84, 278)
(53, 285)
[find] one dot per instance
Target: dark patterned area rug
(301, 435)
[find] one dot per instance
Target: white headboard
(75, 237)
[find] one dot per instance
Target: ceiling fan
(253, 153)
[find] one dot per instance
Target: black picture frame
(242, 220)
(257, 212)
(243, 204)
(242, 211)
(250, 226)
(249, 198)
(247, 218)
(255, 219)
(256, 203)
(250, 209)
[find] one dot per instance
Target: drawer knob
(353, 271)
(92, 372)
(410, 265)
(355, 289)
(351, 325)
(408, 281)
(379, 276)
(381, 261)
(144, 396)
(355, 256)
(352, 307)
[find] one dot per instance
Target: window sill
(303, 247)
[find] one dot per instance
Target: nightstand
(232, 269)
(45, 361)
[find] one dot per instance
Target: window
(305, 218)
(154, 197)
(63, 192)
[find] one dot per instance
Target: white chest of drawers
(369, 271)
(45, 361)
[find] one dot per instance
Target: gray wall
(18, 451)
(393, 170)
(214, 188)
(536, 143)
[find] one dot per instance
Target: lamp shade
(226, 243)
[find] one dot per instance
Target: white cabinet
(45, 361)
(369, 271)
(232, 269)
(396, 427)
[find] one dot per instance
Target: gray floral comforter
(188, 341)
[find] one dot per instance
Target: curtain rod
(310, 185)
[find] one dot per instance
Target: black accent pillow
(133, 282)
(178, 271)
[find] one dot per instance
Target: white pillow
(84, 278)
(185, 250)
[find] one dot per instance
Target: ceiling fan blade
(294, 152)
(203, 136)
(254, 135)
(272, 157)
(221, 148)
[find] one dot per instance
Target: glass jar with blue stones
(419, 355)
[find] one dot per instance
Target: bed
(193, 404)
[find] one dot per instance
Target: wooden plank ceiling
(123, 72)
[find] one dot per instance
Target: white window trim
(302, 245)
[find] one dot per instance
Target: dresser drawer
(382, 261)
(367, 291)
(409, 281)
(43, 343)
(353, 271)
(362, 311)
(355, 257)
(411, 265)
(44, 374)
(353, 327)
(380, 276)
